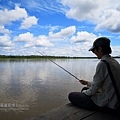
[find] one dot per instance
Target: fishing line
(59, 66)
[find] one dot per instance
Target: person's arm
(99, 77)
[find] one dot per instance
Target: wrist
(88, 83)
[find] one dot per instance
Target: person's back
(115, 66)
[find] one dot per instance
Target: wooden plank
(67, 112)
(70, 112)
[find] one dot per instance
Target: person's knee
(70, 96)
(74, 97)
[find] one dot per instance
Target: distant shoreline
(4, 57)
(41, 57)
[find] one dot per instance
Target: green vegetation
(13, 57)
(35, 57)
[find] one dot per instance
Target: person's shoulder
(114, 61)
(101, 64)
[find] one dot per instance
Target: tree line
(38, 57)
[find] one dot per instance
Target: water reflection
(41, 85)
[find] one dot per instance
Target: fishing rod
(59, 66)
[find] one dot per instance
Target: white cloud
(84, 36)
(101, 13)
(109, 21)
(82, 39)
(25, 37)
(4, 31)
(7, 16)
(39, 41)
(30, 40)
(79, 9)
(66, 32)
(68, 50)
(28, 22)
(5, 41)
(43, 40)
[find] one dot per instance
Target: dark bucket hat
(101, 41)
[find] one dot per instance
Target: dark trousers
(81, 100)
(84, 101)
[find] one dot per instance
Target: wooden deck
(70, 112)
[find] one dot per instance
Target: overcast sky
(57, 27)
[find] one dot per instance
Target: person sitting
(100, 93)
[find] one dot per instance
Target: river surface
(29, 87)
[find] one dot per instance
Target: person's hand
(83, 82)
